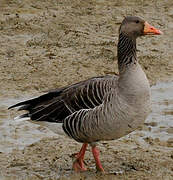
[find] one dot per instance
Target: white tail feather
(19, 118)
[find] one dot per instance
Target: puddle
(160, 121)
(18, 135)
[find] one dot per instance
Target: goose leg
(78, 164)
(96, 154)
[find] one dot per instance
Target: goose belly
(122, 122)
(131, 123)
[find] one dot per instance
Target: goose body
(100, 108)
(120, 112)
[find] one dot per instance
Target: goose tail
(23, 117)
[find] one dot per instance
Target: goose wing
(56, 105)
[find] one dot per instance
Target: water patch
(160, 121)
(15, 135)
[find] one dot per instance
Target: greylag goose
(101, 108)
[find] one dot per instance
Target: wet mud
(47, 44)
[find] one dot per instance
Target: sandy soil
(46, 44)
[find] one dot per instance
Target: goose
(101, 108)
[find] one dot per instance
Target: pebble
(170, 142)
(170, 130)
(153, 124)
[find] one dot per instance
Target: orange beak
(150, 30)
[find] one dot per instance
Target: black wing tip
(11, 107)
(18, 104)
(45, 97)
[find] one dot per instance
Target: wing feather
(56, 105)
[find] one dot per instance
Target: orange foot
(96, 154)
(78, 164)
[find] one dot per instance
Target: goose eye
(137, 21)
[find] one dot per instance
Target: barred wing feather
(60, 103)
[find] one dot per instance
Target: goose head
(134, 27)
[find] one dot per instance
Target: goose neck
(126, 52)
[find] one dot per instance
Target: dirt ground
(46, 44)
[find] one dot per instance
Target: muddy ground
(46, 44)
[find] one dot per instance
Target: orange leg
(78, 164)
(96, 154)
